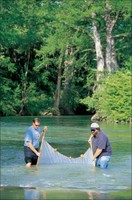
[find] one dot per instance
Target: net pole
(92, 152)
(41, 146)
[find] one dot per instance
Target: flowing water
(69, 135)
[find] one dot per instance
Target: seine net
(49, 155)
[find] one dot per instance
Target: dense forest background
(66, 57)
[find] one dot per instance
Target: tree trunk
(58, 88)
(68, 75)
(114, 60)
(108, 46)
(25, 86)
(111, 62)
(98, 48)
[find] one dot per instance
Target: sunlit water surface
(69, 135)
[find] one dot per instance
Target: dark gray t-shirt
(101, 142)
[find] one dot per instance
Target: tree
(23, 32)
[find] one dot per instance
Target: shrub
(112, 100)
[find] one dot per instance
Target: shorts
(30, 156)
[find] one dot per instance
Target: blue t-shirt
(101, 141)
(32, 135)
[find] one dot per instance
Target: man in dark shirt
(100, 146)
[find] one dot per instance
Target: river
(69, 135)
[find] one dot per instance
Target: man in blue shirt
(100, 145)
(31, 142)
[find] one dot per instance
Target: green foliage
(10, 103)
(36, 36)
(112, 100)
(37, 101)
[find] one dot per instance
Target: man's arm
(29, 144)
(97, 153)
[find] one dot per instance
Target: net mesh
(49, 155)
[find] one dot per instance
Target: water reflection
(16, 193)
(32, 194)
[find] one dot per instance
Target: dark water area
(69, 134)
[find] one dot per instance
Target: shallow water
(69, 135)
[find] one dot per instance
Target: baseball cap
(94, 125)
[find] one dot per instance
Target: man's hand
(89, 140)
(45, 128)
(93, 158)
(38, 154)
